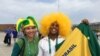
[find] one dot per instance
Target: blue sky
(11, 10)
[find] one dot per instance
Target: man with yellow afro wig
(55, 28)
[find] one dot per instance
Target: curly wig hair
(62, 20)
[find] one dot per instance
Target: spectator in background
(14, 34)
(85, 21)
(91, 36)
(7, 39)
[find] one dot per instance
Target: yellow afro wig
(63, 21)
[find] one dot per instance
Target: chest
(31, 48)
(46, 44)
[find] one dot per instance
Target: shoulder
(20, 41)
(43, 40)
(60, 39)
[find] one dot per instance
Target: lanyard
(49, 43)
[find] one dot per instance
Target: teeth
(53, 29)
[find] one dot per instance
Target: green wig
(29, 21)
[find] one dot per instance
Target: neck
(30, 38)
(53, 37)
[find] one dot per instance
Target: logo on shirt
(70, 49)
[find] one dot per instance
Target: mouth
(53, 30)
(31, 33)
